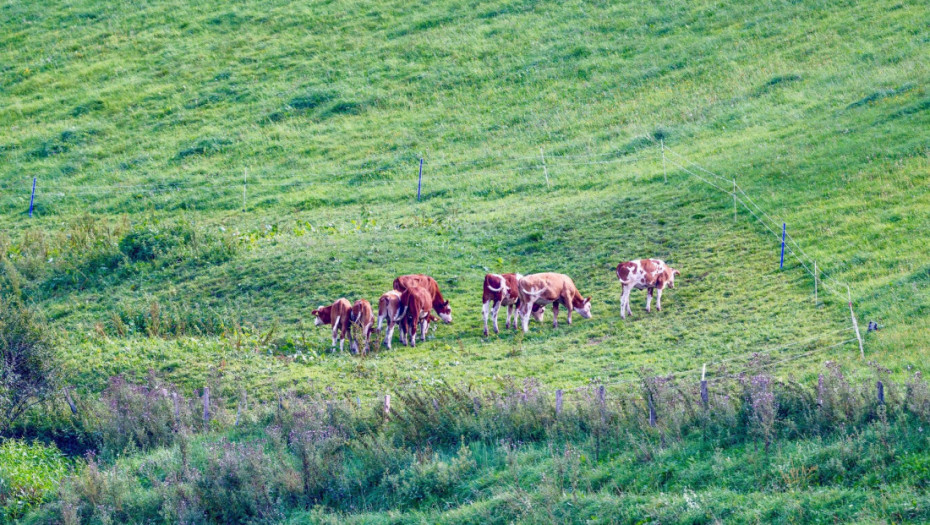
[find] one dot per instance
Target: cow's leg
(568, 313)
(528, 309)
(509, 312)
(649, 300)
(658, 299)
(555, 314)
(625, 301)
(497, 307)
(485, 312)
(412, 333)
(335, 335)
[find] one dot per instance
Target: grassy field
(208, 174)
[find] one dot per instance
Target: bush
(26, 362)
(29, 473)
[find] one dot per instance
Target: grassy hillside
(209, 173)
(146, 119)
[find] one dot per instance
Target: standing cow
(501, 290)
(392, 312)
(361, 317)
(419, 280)
(554, 289)
(651, 274)
(417, 303)
(336, 315)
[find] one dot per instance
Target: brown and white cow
(443, 310)
(362, 319)
(651, 274)
(417, 303)
(501, 290)
(554, 289)
(392, 312)
(336, 315)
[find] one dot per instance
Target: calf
(501, 290)
(651, 274)
(362, 317)
(416, 303)
(554, 289)
(419, 280)
(336, 315)
(391, 311)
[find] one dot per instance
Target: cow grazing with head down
(419, 280)
(363, 320)
(649, 274)
(554, 289)
(390, 311)
(417, 303)
(336, 315)
(501, 290)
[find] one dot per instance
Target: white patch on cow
(446, 318)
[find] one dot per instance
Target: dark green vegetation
(143, 122)
(767, 452)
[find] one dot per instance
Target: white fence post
(855, 323)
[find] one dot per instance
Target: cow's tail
(534, 293)
(503, 283)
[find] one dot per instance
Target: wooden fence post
(652, 411)
(387, 404)
(558, 402)
(177, 407)
(74, 409)
(784, 230)
(664, 167)
(704, 397)
(206, 406)
(881, 393)
(32, 199)
(819, 390)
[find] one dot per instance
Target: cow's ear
(676, 272)
(588, 300)
(315, 312)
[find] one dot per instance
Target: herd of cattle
(413, 297)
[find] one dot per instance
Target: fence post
(819, 390)
(387, 404)
(177, 408)
(245, 182)
(32, 199)
(558, 402)
(784, 228)
(545, 169)
(74, 409)
(704, 386)
(816, 301)
(881, 392)
(652, 411)
(420, 179)
(664, 167)
(855, 323)
(734, 200)
(206, 406)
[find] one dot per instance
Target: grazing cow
(417, 303)
(551, 288)
(501, 290)
(443, 310)
(391, 311)
(651, 274)
(336, 315)
(362, 317)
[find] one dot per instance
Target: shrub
(26, 362)
(29, 473)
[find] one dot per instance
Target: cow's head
(539, 312)
(322, 315)
(444, 311)
(668, 277)
(585, 310)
